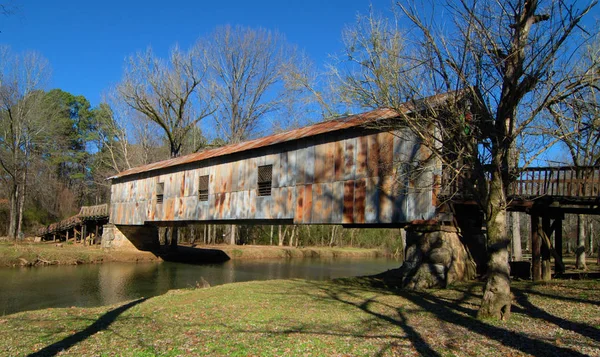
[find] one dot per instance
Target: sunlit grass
(350, 317)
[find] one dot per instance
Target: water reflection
(95, 285)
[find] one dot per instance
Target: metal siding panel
(234, 176)
(212, 208)
(290, 202)
(309, 165)
(252, 174)
(373, 156)
(385, 141)
(300, 166)
(263, 207)
(169, 209)
(278, 203)
(241, 173)
(372, 200)
(228, 177)
(339, 160)
(327, 201)
(317, 204)
(291, 172)
(282, 177)
(386, 200)
(338, 203)
(276, 171)
(361, 157)
(252, 205)
(359, 200)
(348, 213)
(299, 210)
(306, 209)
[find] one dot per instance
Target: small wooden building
(346, 171)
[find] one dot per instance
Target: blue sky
(86, 42)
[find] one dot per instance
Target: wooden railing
(564, 182)
(581, 182)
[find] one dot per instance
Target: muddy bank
(41, 254)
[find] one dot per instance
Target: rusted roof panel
(312, 130)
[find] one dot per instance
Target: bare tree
(575, 121)
(21, 124)
(249, 68)
(506, 60)
(170, 93)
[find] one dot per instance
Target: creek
(104, 284)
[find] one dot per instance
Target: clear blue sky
(86, 42)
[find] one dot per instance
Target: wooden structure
(343, 171)
(86, 226)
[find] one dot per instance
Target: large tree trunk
(436, 256)
(517, 254)
(497, 298)
(580, 251)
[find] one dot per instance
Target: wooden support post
(173, 243)
(67, 240)
(546, 265)
(536, 246)
(54, 237)
(83, 233)
(96, 240)
(559, 266)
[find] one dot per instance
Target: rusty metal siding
(353, 177)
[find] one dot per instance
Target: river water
(103, 284)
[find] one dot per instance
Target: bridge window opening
(160, 191)
(203, 188)
(265, 179)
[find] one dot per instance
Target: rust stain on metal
(360, 194)
(308, 198)
(361, 156)
(348, 216)
(373, 156)
(338, 160)
(299, 204)
(385, 141)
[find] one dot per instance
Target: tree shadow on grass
(102, 323)
(453, 312)
(530, 309)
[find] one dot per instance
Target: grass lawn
(346, 317)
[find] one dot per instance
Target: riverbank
(40, 254)
(309, 318)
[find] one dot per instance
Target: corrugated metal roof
(312, 130)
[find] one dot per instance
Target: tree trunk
(332, 239)
(279, 236)
(232, 235)
(174, 238)
(497, 297)
(14, 207)
(517, 254)
(591, 237)
(580, 251)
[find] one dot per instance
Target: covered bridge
(342, 171)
